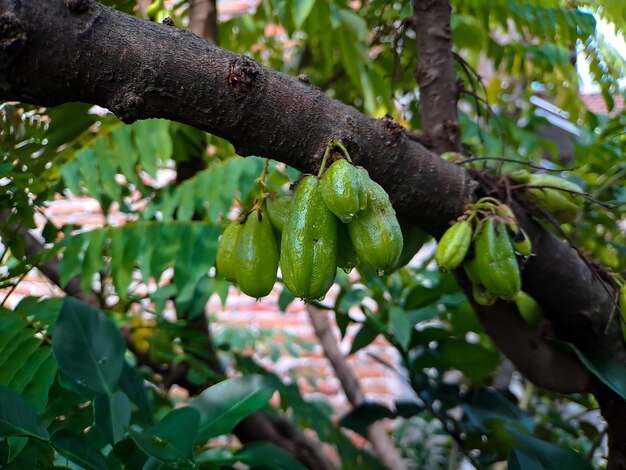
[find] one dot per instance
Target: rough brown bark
(56, 51)
(377, 435)
(435, 75)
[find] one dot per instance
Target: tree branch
(383, 447)
(435, 74)
(140, 69)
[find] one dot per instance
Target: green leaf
(285, 298)
(223, 405)
(112, 415)
(550, 456)
(483, 406)
(168, 430)
(18, 418)
(77, 448)
(471, 359)
(268, 455)
(400, 325)
(362, 416)
(92, 262)
(26, 363)
(301, 11)
(167, 442)
(363, 337)
(611, 373)
(519, 460)
(133, 385)
(88, 346)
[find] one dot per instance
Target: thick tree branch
(51, 53)
(435, 75)
(383, 447)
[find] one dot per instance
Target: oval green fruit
(522, 244)
(495, 259)
(528, 308)
(343, 190)
(454, 245)
(308, 258)
(226, 259)
(375, 231)
(257, 255)
(482, 296)
(277, 209)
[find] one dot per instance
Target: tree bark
(435, 75)
(56, 51)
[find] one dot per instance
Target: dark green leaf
(363, 337)
(550, 456)
(519, 460)
(133, 385)
(223, 405)
(17, 416)
(421, 296)
(88, 346)
(400, 325)
(77, 448)
(285, 298)
(112, 415)
(361, 417)
(608, 371)
(471, 359)
(268, 455)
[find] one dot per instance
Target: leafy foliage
(92, 387)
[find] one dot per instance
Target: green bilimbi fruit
(563, 205)
(528, 308)
(495, 259)
(277, 209)
(469, 266)
(375, 231)
(521, 243)
(226, 259)
(482, 296)
(257, 255)
(453, 246)
(309, 243)
(347, 259)
(343, 190)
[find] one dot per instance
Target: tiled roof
(596, 104)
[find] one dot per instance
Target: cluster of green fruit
(337, 219)
(557, 196)
(491, 265)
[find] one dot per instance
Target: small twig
(383, 447)
(512, 160)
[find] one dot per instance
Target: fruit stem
(341, 147)
(324, 160)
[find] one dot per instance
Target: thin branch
(383, 447)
